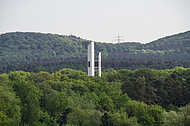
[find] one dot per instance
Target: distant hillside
(176, 47)
(20, 50)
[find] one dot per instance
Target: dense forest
(143, 97)
(34, 52)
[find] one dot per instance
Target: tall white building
(91, 59)
(93, 65)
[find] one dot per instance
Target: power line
(118, 38)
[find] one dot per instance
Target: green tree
(84, 117)
(40, 77)
(107, 120)
(9, 107)
(146, 115)
(185, 112)
(4, 120)
(140, 88)
(83, 111)
(56, 102)
(180, 118)
(18, 75)
(121, 119)
(172, 119)
(29, 95)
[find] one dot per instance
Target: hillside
(24, 51)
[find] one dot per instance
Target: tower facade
(93, 65)
(91, 59)
(99, 64)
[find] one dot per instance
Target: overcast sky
(97, 20)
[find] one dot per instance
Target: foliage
(9, 107)
(70, 97)
(180, 118)
(29, 96)
(162, 87)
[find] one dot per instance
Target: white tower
(93, 65)
(99, 64)
(91, 59)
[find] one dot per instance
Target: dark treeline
(52, 65)
(69, 97)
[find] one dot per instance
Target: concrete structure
(93, 65)
(91, 59)
(99, 64)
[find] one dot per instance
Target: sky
(97, 20)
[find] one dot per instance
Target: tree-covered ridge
(69, 97)
(174, 42)
(37, 46)
(27, 47)
(20, 50)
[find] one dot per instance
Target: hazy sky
(97, 20)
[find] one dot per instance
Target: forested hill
(29, 51)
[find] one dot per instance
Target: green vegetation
(131, 97)
(69, 97)
(36, 52)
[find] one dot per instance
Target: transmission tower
(118, 38)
